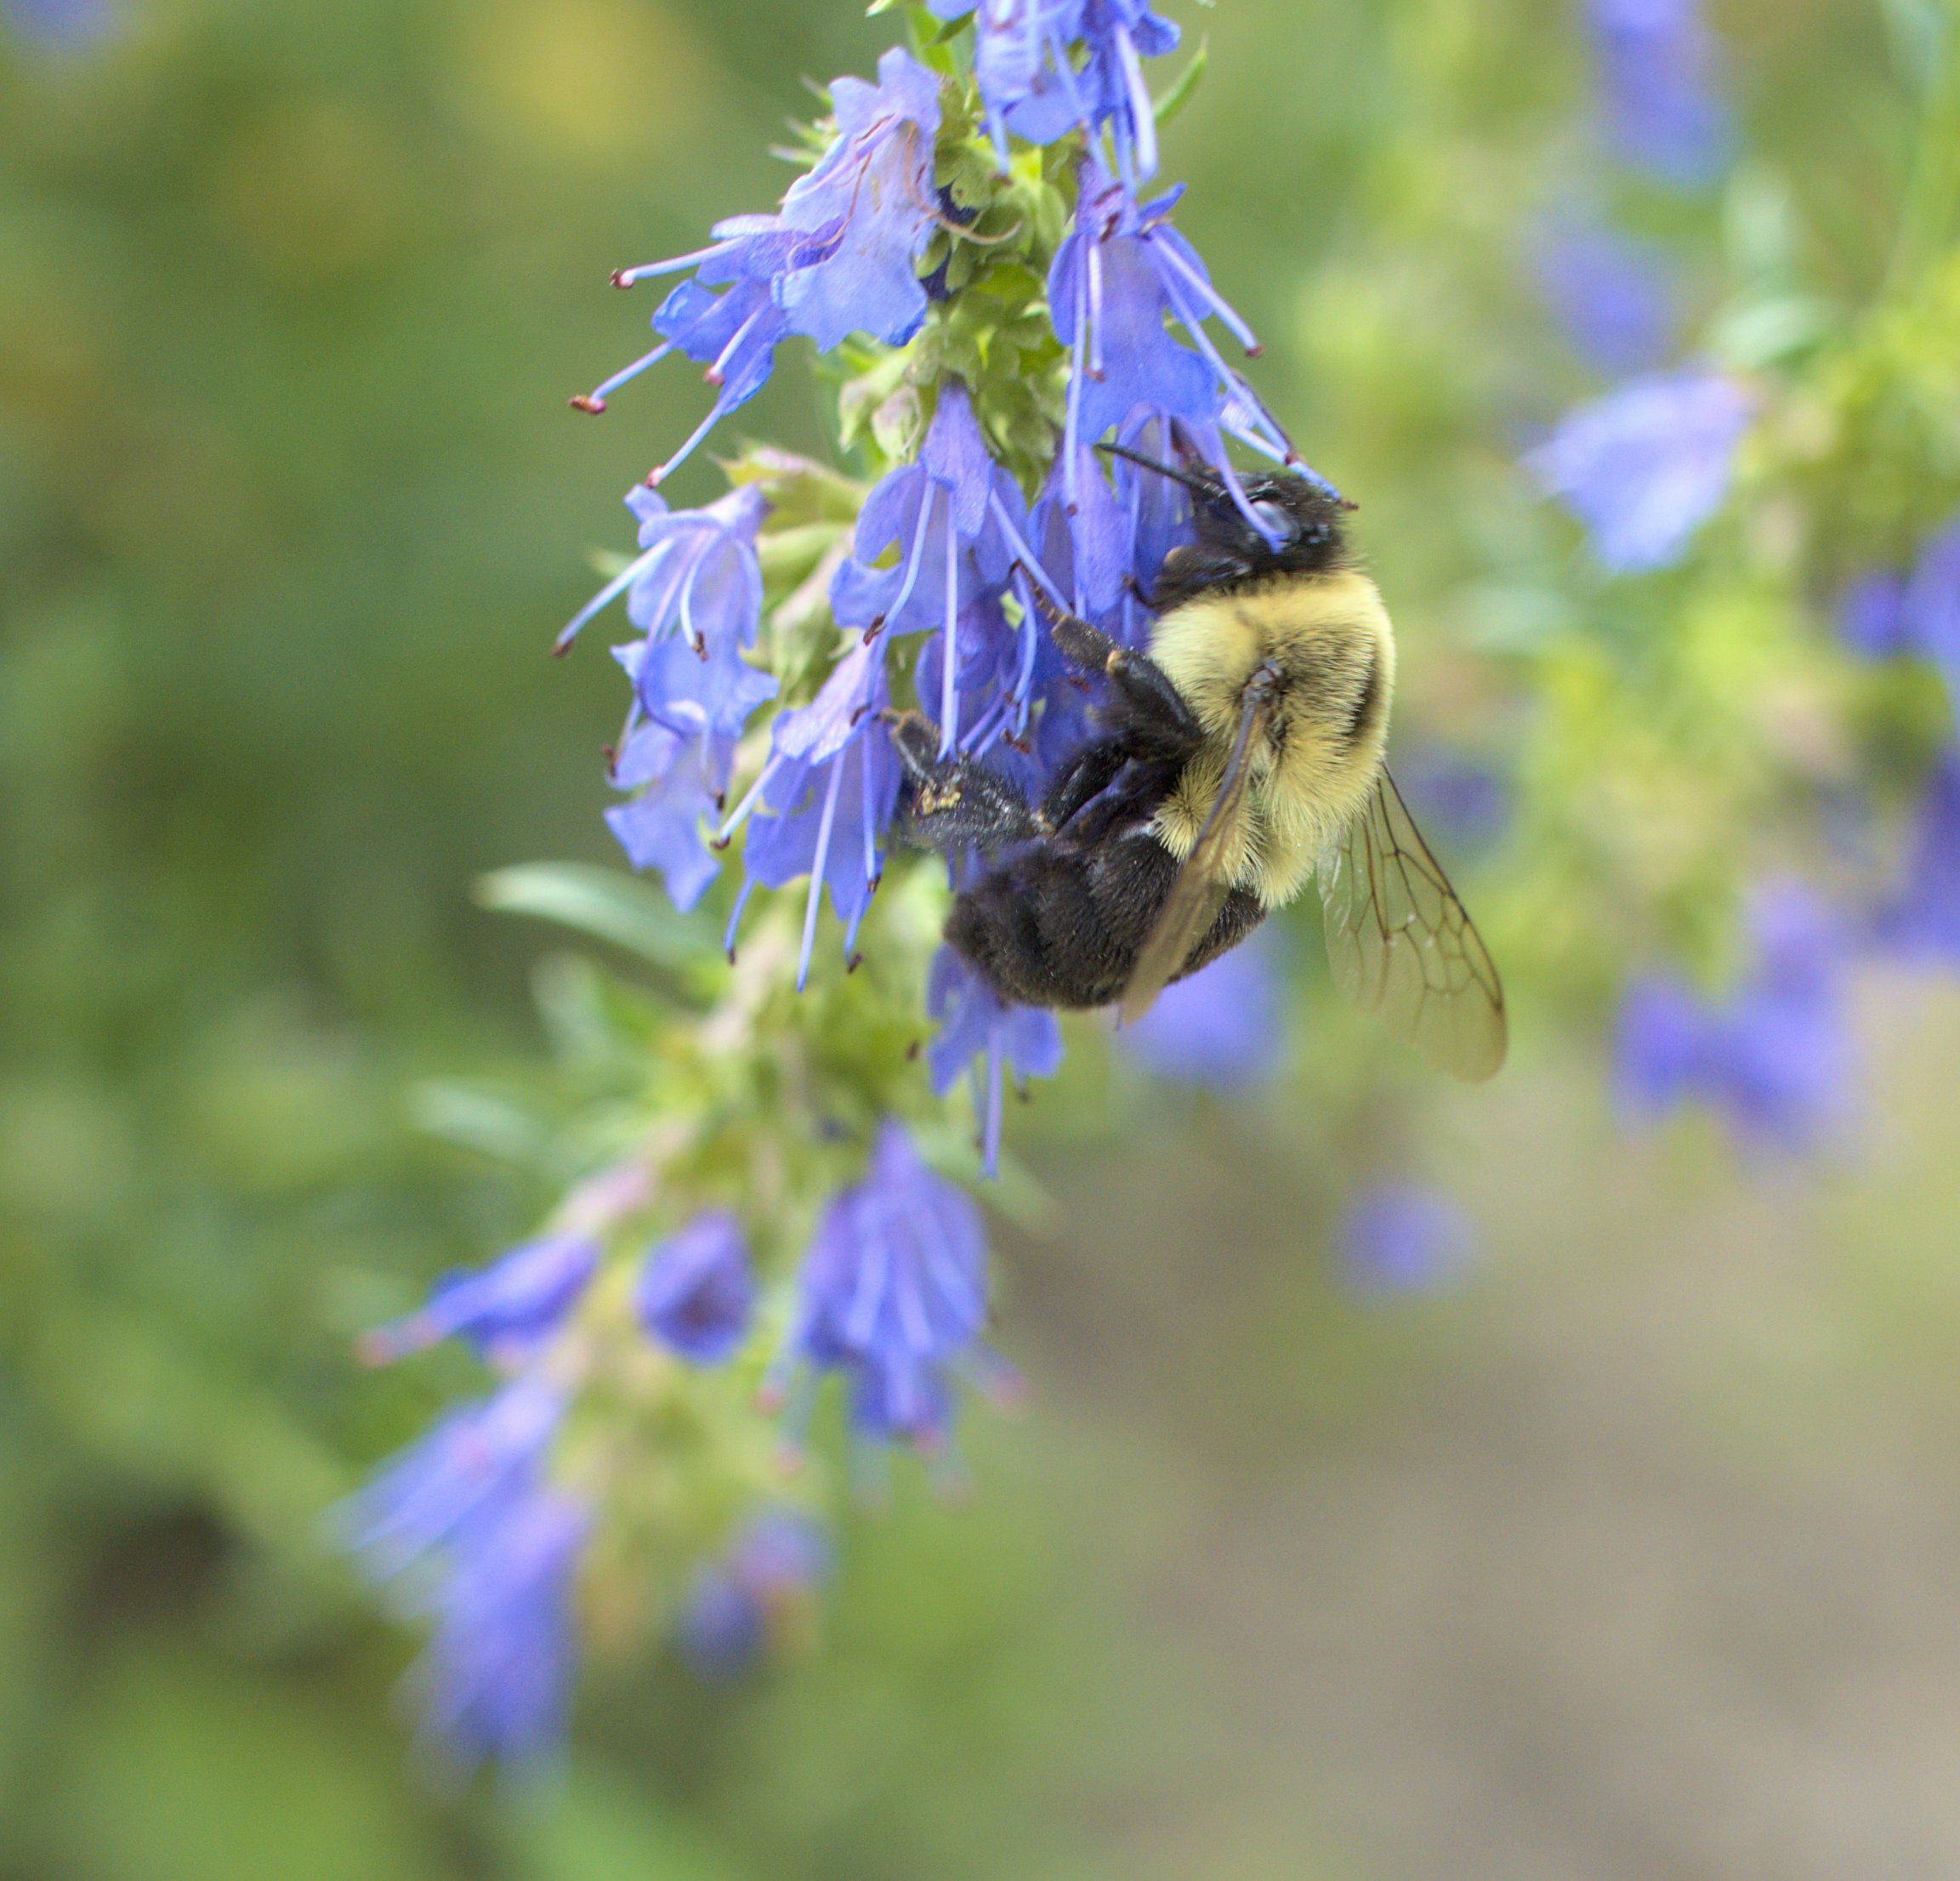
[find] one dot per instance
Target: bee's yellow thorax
(1329, 637)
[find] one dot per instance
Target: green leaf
(1174, 100)
(492, 1123)
(606, 904)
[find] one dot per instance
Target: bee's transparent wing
(1401, 945)
(1202, 886)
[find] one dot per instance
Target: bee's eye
(1275, 521)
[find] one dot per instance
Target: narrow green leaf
(493, 1123)
(606, 903)
(1174, 100)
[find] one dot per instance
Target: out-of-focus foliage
(291, 297)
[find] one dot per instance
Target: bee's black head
(1280, 524)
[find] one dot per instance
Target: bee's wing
(1401, 945)
(1202, 886)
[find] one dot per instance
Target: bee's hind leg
(954, 804)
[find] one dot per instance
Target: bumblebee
(1241, 756)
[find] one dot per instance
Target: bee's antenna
(1190, 478)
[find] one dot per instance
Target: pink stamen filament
(595, 401)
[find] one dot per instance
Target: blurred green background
(1637, 1555)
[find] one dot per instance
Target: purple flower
(1121, 276)
(838, 258)
(679, 782)
(705, 693)
(474, 1464)
(505, 1310)
(1658, 74)
(1032, 85)
(1923, 920)
(1225, 1026)
(981, 1036)
(1644, 466)
(756, 1599)
(1885, 614)
(892, 1294)
(827, 793)
(1401, 1238)
(1776, 1059)
(955, 518)
(65, 26)
(1468, 799)
(696, 575)
(696, 1292)
(1612, 296)
(496, 1681)
(1872, 617)
(463, 1525)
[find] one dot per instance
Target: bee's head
(1283, 524)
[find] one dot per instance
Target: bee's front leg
(954, 804)
(1142, 683)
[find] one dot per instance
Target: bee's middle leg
(955, 803)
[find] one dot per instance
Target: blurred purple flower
(476, 1460)
(838, 258)
(462, 1525)
(1225, 1027)
(1659, 78)
(1930, 608)
(1031, 86)
(827, 794)
(1644, 466)
(892, 1294)
(756, 1600)
(1466, 800)
(695, 1293)
(65, 26)
(1883, 614)
(679, 781)
(1923, 920)
(982, 1036)
(1612, 296)
(1401, 1238)
(1872, 618)
(505, 1310)
(496, 1681)
(1776, 1059)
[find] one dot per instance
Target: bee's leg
(1085, 776)
(953, 803)
(1142, 683)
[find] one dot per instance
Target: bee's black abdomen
(1059, 925)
